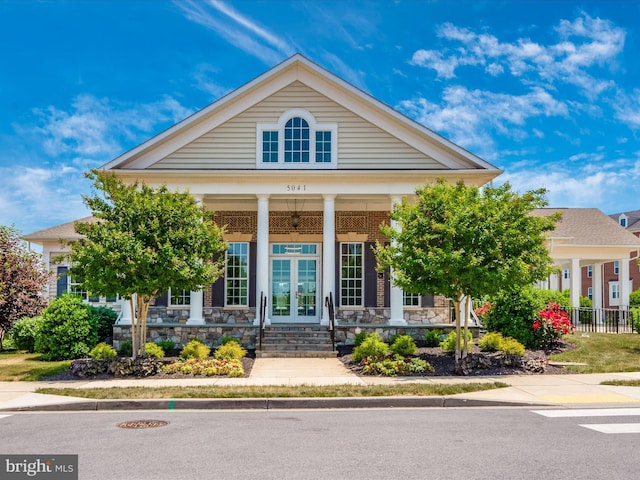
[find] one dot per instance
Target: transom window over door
(296, 141)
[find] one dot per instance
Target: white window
(616, 267)
(589, 271)
(411, 299)
(351, 274)
(237, 275)
(178, 298)
(590, 293)
(614, 294)
(623, 220)
(296, 141)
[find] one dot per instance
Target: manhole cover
(143, 424)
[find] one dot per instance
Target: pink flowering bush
(551, 324)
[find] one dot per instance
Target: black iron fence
(604, 320)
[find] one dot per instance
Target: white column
(196, 298)
(396, 294)
(623, 282)
(596, 285)
(575, 274)
(328, 254)
(262, 254)
(125, 311)
(554, 284)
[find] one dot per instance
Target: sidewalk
(535, 390)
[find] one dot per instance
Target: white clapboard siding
(361, 145)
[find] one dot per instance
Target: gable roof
(65, 231)
(299, 68)
(633, 219)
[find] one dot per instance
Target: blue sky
(549, 91)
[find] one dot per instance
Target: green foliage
(432, 337)
(208, 367)
(195, 349)
(24, 332)
(105, 317)
(514, 313)
(635, 319)
(89, 367)
(23, 276)
(153, 350)
(511, 346)
(226, 339)
(359, 338)
(102, 351)
(166, 345)
(125, 348)
(449, 343)
(68, 329)
(490, 341)
(403, 345)
(231, 350)
(634, 298)
(372, 348)
(396, 366)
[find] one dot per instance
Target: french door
(294, 284)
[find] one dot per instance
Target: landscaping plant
(552, 323)
(102, 351)
(432, 337)
(231, 350)
(195, 349)
(24, 332)
(403, 345)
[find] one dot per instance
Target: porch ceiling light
(295, 219)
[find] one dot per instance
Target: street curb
(269, 404)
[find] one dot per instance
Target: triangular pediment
(371, 135)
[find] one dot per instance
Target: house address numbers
(298, 187)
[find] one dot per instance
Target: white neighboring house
(302, 168)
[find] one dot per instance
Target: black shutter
(387, 286)
(427, 301)
(370, 276)
(162, 300)
(62, 282)
(253, 256)
(336, 287)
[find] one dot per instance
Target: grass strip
(302, 391)
(602, 352)
(622, 383)
(17, 366)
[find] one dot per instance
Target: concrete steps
(301, 341)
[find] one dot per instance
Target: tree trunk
(134, 329)
(465, 350)
(457, 307)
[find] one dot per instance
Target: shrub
(432, 337)
(449, 343)
(142, 366)
(104, 317)
(372, 348)
(513, 314)
(635, 319)
(551, 324)
(126, 348)
(208, 367)
(24, 332)
(359, 338)
(230, 351)
(166, 345)
(195, 349)
(511, 346)
(634, 298)
(88, 367)
(153, 350)
(227, 338)
(102, 351)
(67, 331)
(490, 342)
(396, 366)
(403, 345)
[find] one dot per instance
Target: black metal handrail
(262, 313)
(328, 302)
(605, 320)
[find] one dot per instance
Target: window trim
(589, 271)
(622, 221)
(227, 277)
(413, 297)
(313, 128)
(361, 279)
(170, 304)
(616, 267)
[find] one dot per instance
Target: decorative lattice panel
(244, 222)
(310, 222)
(351, 223)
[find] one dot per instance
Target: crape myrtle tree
(23, 277)
(145, 241)
(467, 242)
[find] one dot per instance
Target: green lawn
(21, 366)
(603, 352)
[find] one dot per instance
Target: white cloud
(469, 117)
(582, 44)
(238, 30)
(627, 107)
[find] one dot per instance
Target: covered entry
(294, 282)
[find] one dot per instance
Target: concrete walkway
(536, 390)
